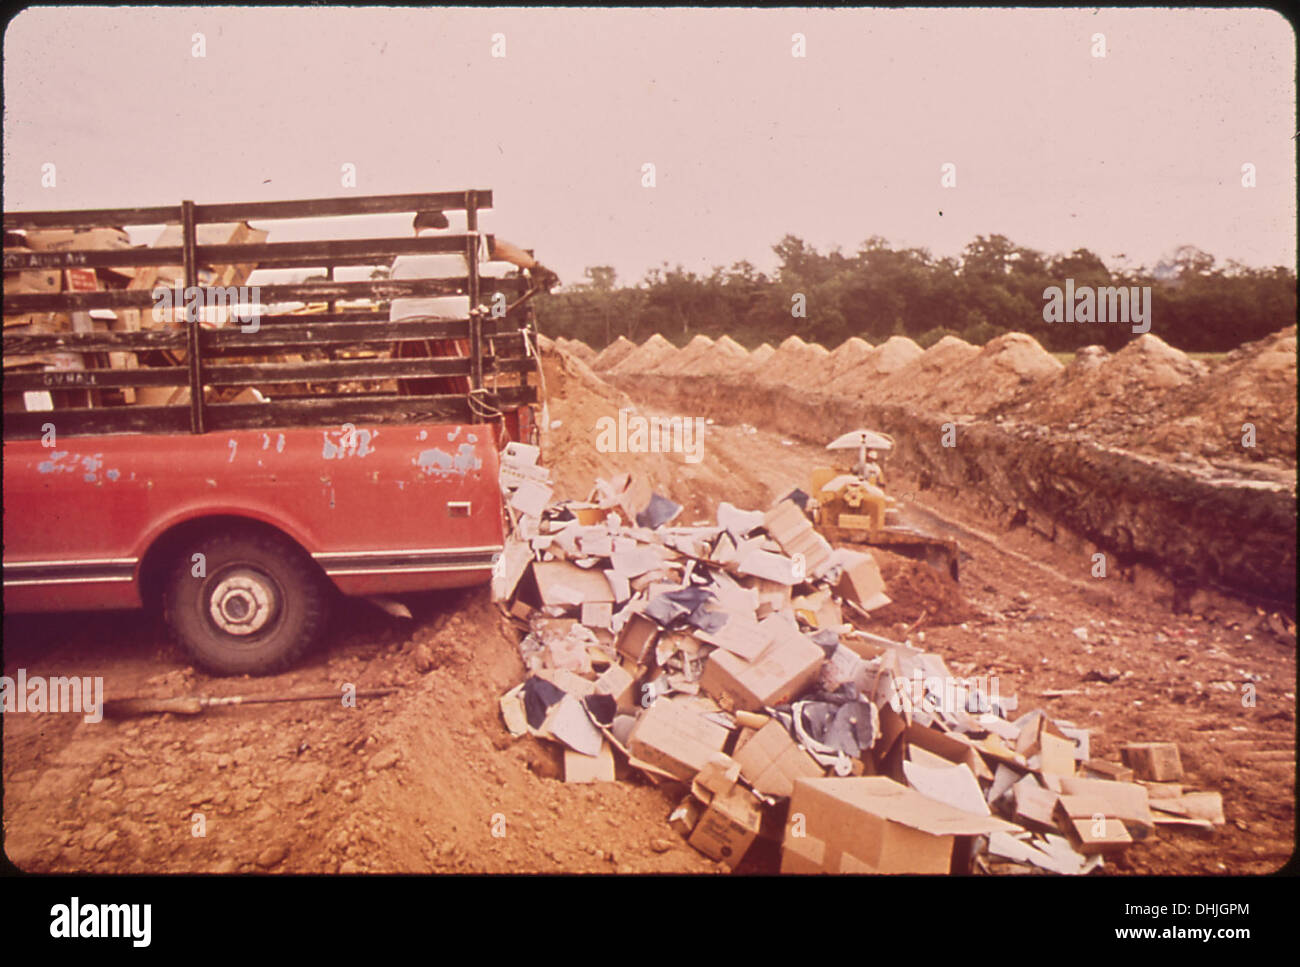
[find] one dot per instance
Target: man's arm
(503, 251)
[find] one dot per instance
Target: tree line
(995, 286)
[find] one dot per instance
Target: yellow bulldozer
(850, 505)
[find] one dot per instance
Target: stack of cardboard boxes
(715, 659)
(53, 281)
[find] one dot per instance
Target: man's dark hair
(432, 218)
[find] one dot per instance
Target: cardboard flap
(886, 798)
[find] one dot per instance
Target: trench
(1181, 527)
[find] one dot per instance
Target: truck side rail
(344, 348)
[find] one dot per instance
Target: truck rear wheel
(254, 606)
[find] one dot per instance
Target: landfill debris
(717, 660)
(1154, 761)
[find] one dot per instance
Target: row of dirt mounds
(722, 356)
(689, 354)
(1149, 397)
(579, 400)
(1137, 455)
(645, 357)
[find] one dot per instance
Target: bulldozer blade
(939, 557)
(941, 554)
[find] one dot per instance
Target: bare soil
(421, 780)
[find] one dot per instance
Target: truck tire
(257, 606)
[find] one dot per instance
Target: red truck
(143, 467)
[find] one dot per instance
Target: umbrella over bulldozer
(850, 504)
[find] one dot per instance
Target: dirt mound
(1111, 398)
(578, 348)
(1256, 385)
(852, 352)
(915, 589)
(674, 364)
(645, 357)
(893, 354)
(889, 357)
(578, 399)
(827, 367)
(613, 354)
(1005, 367)
(724, 356)
(758, 358)
(919, 380)
(791, 361)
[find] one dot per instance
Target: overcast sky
(1135, 153)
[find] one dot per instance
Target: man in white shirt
(495, 259)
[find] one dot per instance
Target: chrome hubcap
(242, 603)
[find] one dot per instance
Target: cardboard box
(771, 761)
(777, 568)
(952, 785)
(587, 768)
(1154, 761)
(670, 735)
(1084, 817)
(1034, 805)
(781, 671)
(1205, 805)
(728, 827)
(597, 614)
(772, 596)
(79, 239)
(686, 816)
(618, 682)
(873, 825)
(792, 529)
(568, 721)
(32, 282)
(741, 635)
(717, 777)
(1040, 737)
(1126, 801)
(860, 581)
(950, 745)
(819, 609)
(1101, 769)
(564, 584)
(786, 521)
(637, 637)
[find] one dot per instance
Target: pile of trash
(718, 658)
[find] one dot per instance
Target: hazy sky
(1134, 153)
